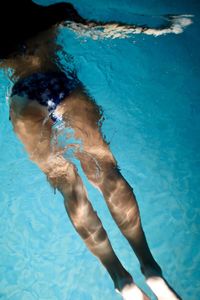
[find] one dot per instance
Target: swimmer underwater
(42, 95)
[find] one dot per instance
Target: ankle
(121, 281)
(118, 273)
(150, 270)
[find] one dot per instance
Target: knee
(60, 173)
(104, 172)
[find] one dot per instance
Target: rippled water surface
(149, 90)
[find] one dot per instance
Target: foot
(161, 288)
(157, 283)
(132, 292)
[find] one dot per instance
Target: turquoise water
(149, 90)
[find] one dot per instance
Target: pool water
(149, 90)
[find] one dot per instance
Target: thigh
(83, 115)
(35, 130)
(80, 113)
(31, 125)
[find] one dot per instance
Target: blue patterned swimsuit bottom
(48, 88)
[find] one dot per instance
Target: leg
(121, 202)
(28, 122)
(101, 169)
(63, 176)
(124, 209)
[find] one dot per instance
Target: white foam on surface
(176, 25)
